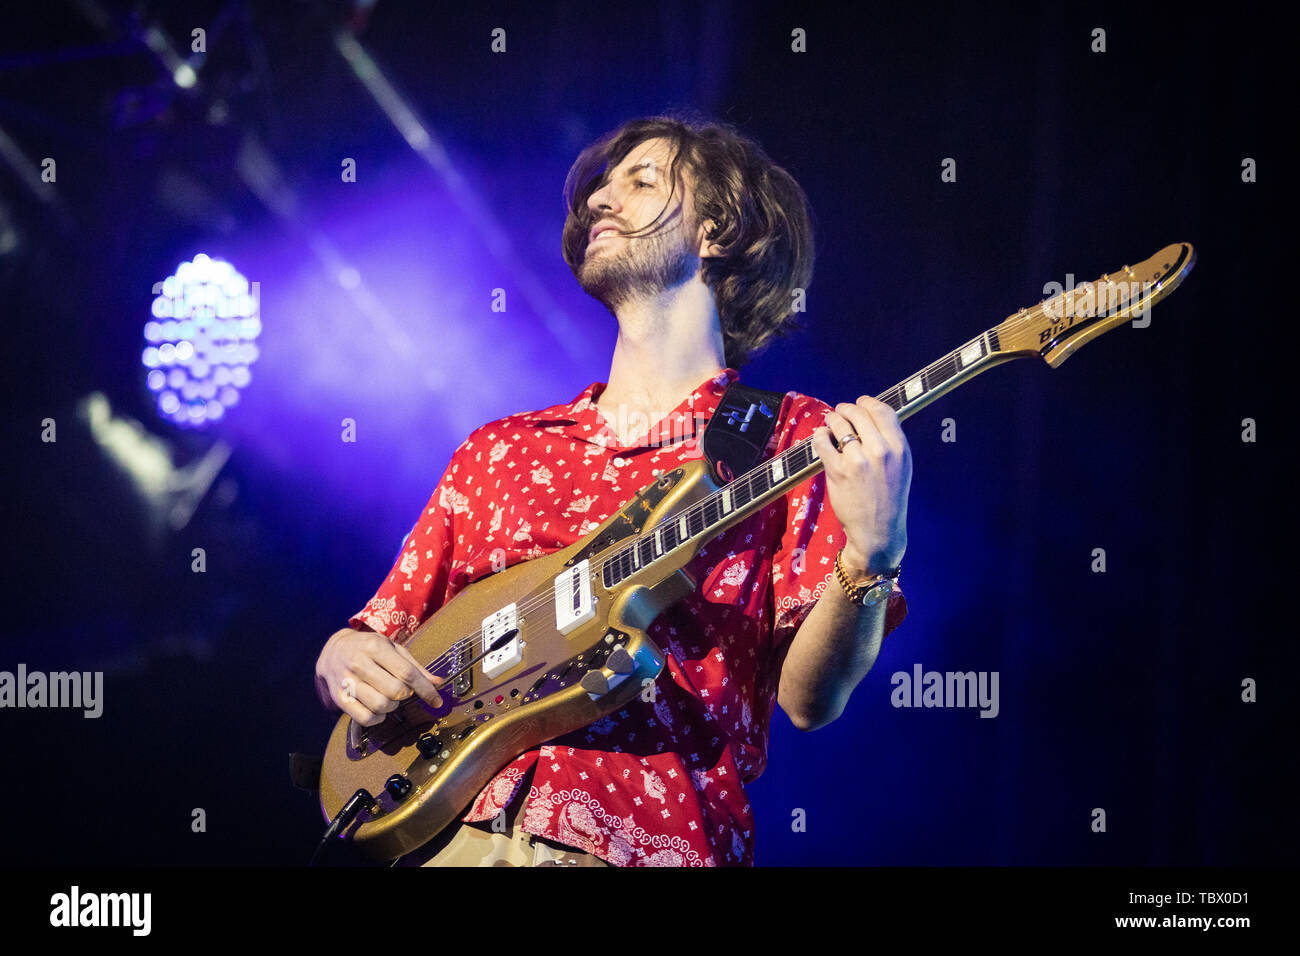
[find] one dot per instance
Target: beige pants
(477, 844)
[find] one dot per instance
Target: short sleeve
(803, 565)
(417, 584)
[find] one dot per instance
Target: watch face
(878, 592)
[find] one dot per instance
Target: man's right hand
(366, 675)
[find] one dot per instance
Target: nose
(602, 200)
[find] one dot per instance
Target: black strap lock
(739, 430)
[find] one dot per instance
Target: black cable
(359, 801)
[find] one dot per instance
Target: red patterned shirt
(657, 783)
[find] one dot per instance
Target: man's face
(617, 266)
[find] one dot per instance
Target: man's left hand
(867, 481)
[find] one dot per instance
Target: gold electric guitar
(551, 645)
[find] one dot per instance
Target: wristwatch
(870, 592)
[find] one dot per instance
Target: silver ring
(851, 437)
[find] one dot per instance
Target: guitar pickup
(495, 626)
(574, 603)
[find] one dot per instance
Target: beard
(641, 267)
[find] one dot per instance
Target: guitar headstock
(1058, 326)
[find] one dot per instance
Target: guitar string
(1013, 323)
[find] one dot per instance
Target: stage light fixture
(200, 341)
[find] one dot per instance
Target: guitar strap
(739, 430)
(304, 771)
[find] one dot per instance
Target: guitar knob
(620, 661)
(429, 745)
(398, 787)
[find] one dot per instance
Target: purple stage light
(201, 341)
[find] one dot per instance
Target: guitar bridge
(464, 682)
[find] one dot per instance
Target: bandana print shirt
(657, 783)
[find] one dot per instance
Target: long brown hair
(763, 221)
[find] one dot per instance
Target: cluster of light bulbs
(201, 341)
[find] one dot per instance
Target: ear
(710, 250)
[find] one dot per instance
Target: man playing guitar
(698, 244)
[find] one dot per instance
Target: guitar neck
(766, 482)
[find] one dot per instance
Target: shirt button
(620, 462)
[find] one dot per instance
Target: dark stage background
(1119, 690)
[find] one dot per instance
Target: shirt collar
(581, 419)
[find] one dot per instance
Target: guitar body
(555, 688)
